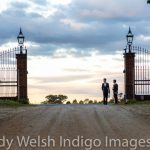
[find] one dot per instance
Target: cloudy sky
(73, 44)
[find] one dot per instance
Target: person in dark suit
(115, 91)
(106, 91)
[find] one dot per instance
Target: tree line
(63, 99)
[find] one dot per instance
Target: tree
(81, 102)
(44, 102)
(62, 98)
(90, 102)
(86, 101)
(95, 102)
(75, 102)
(56, 99)
(68, 102)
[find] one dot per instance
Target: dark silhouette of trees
(55, 99)
(86, 101)
(81, 102)
(68, 102)
(61, 99)
(90, 102)
(75, 102)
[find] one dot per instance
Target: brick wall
(129, 75)
(22, 76)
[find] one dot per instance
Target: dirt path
(85, 127)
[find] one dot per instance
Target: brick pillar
(129, 75)
(22, 76)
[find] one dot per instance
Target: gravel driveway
(80, 127)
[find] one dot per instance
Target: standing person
(115, 91)
(106, 91)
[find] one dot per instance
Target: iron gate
(8, 74)
(13, 72)
(142, 73)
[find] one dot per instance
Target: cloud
(61, 79)
(75, 25)
(106, 9)
(59, 2)
(3, 6)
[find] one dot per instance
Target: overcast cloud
(86, 24)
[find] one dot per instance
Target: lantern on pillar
(20, 39)
(129, 37)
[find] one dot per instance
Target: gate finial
(20, 31)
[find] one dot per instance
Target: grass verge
(11, 103)
(139, 102)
